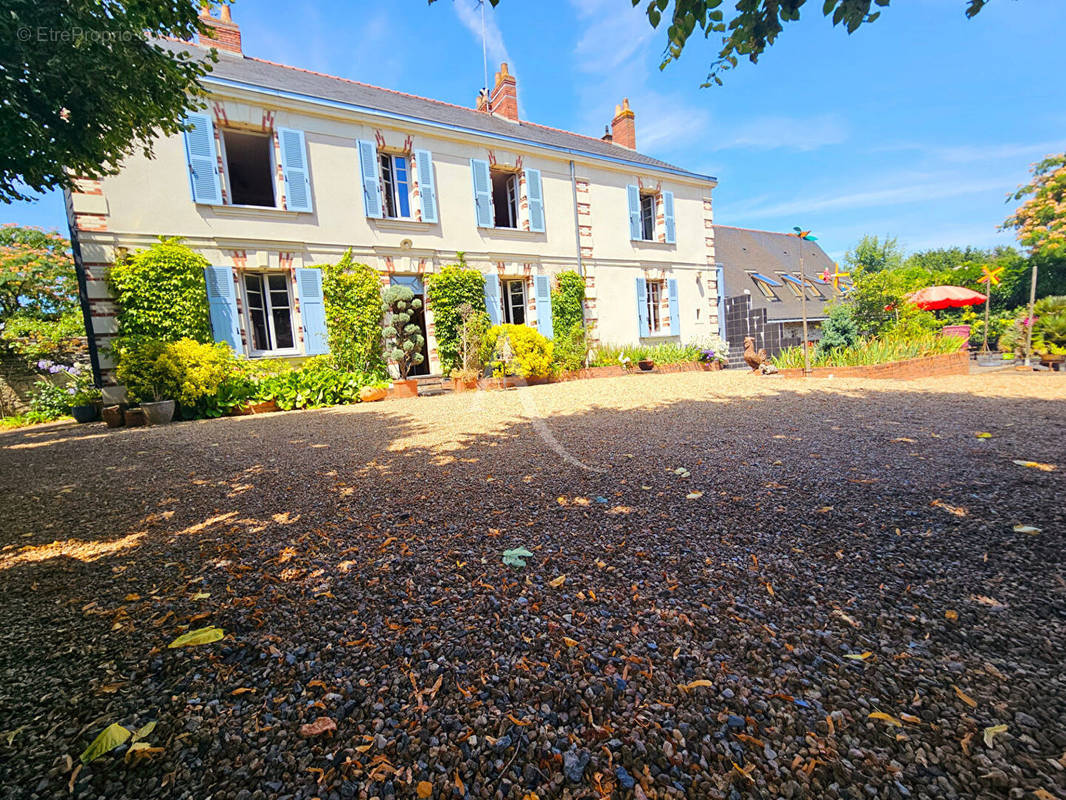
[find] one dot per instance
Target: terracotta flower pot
(710, 366)
(464, 385)
(647, 365)
(372, 394)
(407, 388)
(113, 416)
(136, 418)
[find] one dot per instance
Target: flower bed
(909, 369)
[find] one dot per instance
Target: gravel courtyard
(730, 574)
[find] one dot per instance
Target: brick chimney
(624, 126)
(221, 31)
(504, 98)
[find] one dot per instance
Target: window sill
(653, 244)
(246, 211)
(512, 233)
(401, 224)
(266, 354)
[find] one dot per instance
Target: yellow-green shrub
(531, 353)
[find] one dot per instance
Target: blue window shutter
(427, 185)
(633, 194)
(368, 169)
(542, 293)
(294, 169)
(535, 196)
(312, 311)
(642, 307)
(201, 155)
(675, 316)
(492, 297)
(222, 304)
(668, 217)
(482, 193)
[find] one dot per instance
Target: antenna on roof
(484, 50)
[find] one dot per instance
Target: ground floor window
(268, 300)
(655, 298)
(514, 302)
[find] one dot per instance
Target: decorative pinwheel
(802, 234)
(990, 276)
(834, 277)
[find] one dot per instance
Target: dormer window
(765, 285)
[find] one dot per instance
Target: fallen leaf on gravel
(770, 590)
(242, 690)
(952, 615)
(992, 732)
(143, 732)
(569, 642)
(694, 495)
(745, 771)
(983, 435)
(846, 618)
(987, 601)
(1035, 465)
(198, 636)
(888, 719)
(107, 740)
(1019, 528)
(824, 510)
(903, 439)
(424, 789)
(516, 557)
(913, 720)
(141, 750)
(1043, 794)
(695, 684)
(858, 656)
(319, 726)
(555, 583)
(201, 596)
(964, 697)
(958, 511)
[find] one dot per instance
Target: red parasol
(934, 298)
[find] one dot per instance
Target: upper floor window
(249, 168)
(507, 196)
(504, 198)
(651, 215)
(765, 285)
(395, 185)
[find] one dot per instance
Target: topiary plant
(403, 339)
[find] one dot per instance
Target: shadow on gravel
(721, 634)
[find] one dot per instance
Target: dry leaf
(555, 583)
(964, 697)
(141, 750)
(858, 656)
(696, 495)
(888, 719)
(983, 435)
(695, 684)
(1035, 465)
(837, 612)
(1043, 794)
(319, 726)
(958, 511)
(770, 589)
(913, 720)
(1019, 528)
(992, 732)
(424, 789)
(569, 642)
(988, 601)
(951, 615)
(242, 690)
(964, 742)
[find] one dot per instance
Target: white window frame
(268, 310)
(655, 307)
(645, 227)
(390, 190)
(509, 305)
(225, 166)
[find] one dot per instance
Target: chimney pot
(503, 100)
(221, 31)
(624, 126)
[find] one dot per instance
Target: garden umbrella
(933, 298)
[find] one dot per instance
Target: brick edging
(909, 369)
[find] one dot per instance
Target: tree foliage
(161, 293)
(86, 83)
(1041, 220)
(752, 26)
(872, 254)
(447, 291)
(352, 294)
(36, 273)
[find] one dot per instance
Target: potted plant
(1049, 331)
(464, 380)
(403, 339)
(714, 354)
(147, 372)
(646, 364)
(85, 402)
(472, 332)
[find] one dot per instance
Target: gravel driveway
(730, 574)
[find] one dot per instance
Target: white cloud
(469, 13)
(974, 153)
(793, 133)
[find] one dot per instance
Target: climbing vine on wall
(447, 291)
(352, 294)
(568, 299)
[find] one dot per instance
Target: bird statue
(754, 359)
(625, 361)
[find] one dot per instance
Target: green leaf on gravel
(516, 557)
(992, 732)
(1019, 528)
(198, 636)
(143, 731)
(110, 737)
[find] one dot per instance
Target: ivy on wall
(568, 299)
(352, 294)
(447, 291)
(161, 293)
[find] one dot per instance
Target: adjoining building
(765, 275)
(286, 169)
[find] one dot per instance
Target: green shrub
(665, 353)
(34, 337)
(352, 294)
(314, 385)
(570, 349)
(403, 338)
(186, 371)
(447, 291)
(839, 329)
(472, 333)
(49, 401)
(161, 293)
(517, 350)
(568, 298)
(872, 351)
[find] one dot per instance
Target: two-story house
(286, 169)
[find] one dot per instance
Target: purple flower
(44, 364)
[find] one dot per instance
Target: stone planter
(158, 413)
(372, 394)
(83, 414)
(464, 385)
(710, 366)
(136, 418)
(1052, 361)
(113, 416)
(407, 388)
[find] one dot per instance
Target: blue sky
(916, 126)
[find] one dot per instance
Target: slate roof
(741, 251)
(316, 85)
